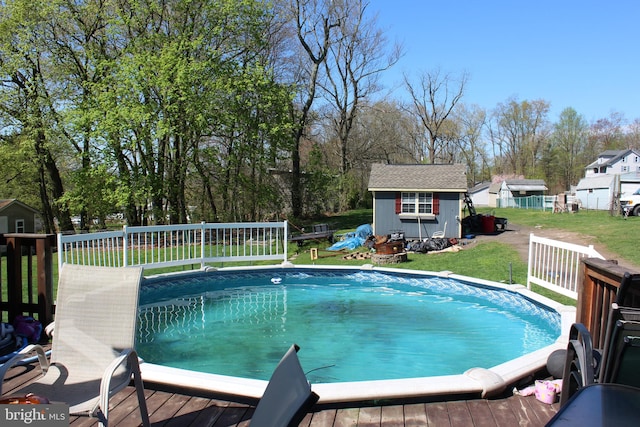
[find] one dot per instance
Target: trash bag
(429, 245)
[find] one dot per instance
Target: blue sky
(580, 54)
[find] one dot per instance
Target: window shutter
(436, 204)
(398, 203)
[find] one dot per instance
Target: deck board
(437, 414)
(415, 415)
(392, 416)
(481, 414)
(181, 408)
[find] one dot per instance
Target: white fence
(172, 245)
(556, 265)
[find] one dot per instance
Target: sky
(582, 54)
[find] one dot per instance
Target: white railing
(555, 265)
(172, 245)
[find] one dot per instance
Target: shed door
(4, 224)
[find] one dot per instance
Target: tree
(570, 139)
(607, 134)
(29, 99)
(471, 121)
(313, 22)
(355, 61)
(434, 97)
(518, 133)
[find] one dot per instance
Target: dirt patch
(518, 237)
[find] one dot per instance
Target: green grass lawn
(493, 260)
(619, 235)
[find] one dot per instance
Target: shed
(17, 217)
(417, 200)
(511, 190)
(480, 194)
(596, 192)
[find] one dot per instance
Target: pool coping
(481, 381)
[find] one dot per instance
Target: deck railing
(555, 265)
(26, 280)
(174, 245)
(599, 286)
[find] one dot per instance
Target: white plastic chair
(92, 355)
(440, 234)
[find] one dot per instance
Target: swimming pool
(381, 325)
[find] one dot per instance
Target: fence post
(125, 246)
(60, 251)
(202, 235)
(530, 261)
(286, 240)
(44, 250)
(14, 277)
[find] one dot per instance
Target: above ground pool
(352, 325)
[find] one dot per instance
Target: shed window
(19, 225)
(418, 203)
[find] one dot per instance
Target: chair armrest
(23, 354)
(127, 354)
(49, 329)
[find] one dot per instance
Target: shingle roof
(610, 157)
(417, 177)
(4, 203)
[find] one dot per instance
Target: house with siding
(17, 217)
(614, 172)
(417, 200)
(614, 162)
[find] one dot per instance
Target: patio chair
(440, 233)
(620, 356)
(288, 396)
(579, 362)
(621, 353)
(92, 355)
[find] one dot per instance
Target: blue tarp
(353, 240)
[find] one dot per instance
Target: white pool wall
(481, 381)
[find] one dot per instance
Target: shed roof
(422, 177)
(4, 203)
(480, 187)
(598, 181)
(526, 184)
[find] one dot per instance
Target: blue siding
(386, 221)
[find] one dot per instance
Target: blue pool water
(351, 325)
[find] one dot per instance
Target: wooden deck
(180, 408)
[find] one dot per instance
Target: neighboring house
(615, 172)
(614, 162)
(480, 194)
(16, 217)
(417, 200)
(513, 189)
